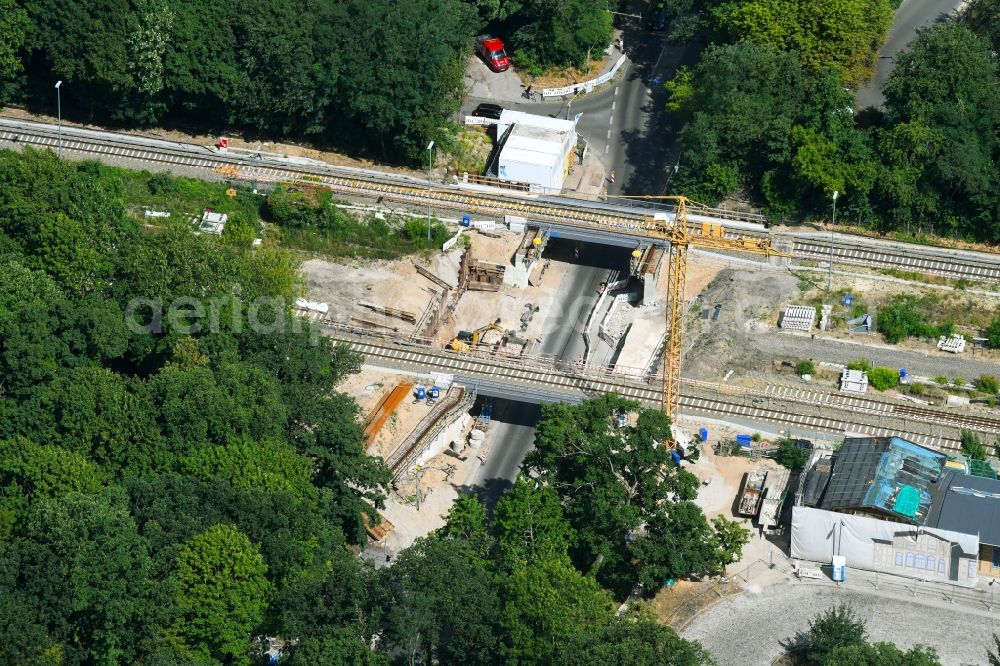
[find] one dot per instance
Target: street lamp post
(59, 112)
(430, 165)
(829, 281)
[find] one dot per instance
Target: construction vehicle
(469, 340)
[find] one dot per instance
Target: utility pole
(430, 165)
(829, 281)
(59, 112)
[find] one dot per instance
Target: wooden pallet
(432, 277)
(377, 532)
(408, 317)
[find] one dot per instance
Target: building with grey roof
(923, 505)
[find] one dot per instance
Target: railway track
(591, 215)
(934, 261)
(771, 405)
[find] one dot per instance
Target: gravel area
(757, 626)
(838, 351)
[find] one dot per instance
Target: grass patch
(184, 196)
(309, 221)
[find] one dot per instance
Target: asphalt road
(512, 432)
(626, 123)
(910, 17)
(510, 437)
(578, 292)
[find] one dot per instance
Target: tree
(679, 541)
(610, 479)
(842, 35)
(993, 332)
(239, 462)
(835, 628)
(983, 18)
(971, 445)
(438, 598)
(560, 34)
(790, 455)
(339, 647)
(944, 87)
(221, 593)
(467, 522)
(82, 571)
(530, 526)
(14, 26)
(882, 654)
(634, 639)
(548, 605)
(46, 471)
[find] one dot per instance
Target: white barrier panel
(586, 86)
(450, 243)
(476, 120)
(484, 225)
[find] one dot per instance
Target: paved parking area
(757, 626)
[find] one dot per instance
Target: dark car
(487, 110)
(658, 19)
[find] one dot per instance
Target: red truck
(492, 51)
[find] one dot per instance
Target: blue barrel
(902, 374)
(703, 434)
(676, 456)
(466, 220)
(421, 393)
(435, 392)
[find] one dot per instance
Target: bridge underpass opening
(510, 434)
(597, 303)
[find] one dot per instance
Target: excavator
(469, 340)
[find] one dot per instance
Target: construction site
(523, 295)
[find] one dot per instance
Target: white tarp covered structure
(539, 150)
(901, 549)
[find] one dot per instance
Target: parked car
(658, 19)
(492, 51)
(487, 110)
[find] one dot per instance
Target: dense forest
(367, 76)
(767, 115)
(179, 477)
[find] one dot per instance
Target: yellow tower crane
(680, 238)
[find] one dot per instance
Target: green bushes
(310, 222)
(879, 378)
(902, 319)
(883, 379)
(988, 384)
(805, 367)
(790, 455)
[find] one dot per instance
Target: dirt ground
(970, 312)
(678, 604)
(750, 302)
(394, 284)
(367, 388)
(440, 482)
